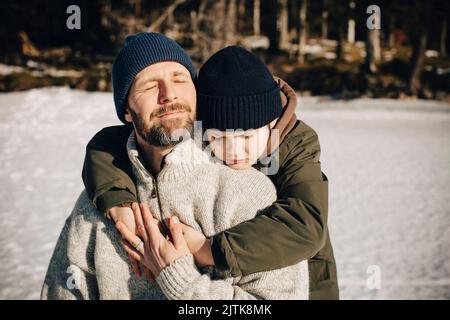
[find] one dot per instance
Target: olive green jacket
(293, 229)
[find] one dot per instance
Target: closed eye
(179, 79)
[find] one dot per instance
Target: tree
(351, 22)
(302, 32)
(324, 21)
(373, 50)
(105, 8)
(241, 15)
(284, 25)
(219, 14)
(231, 21)
(421, 12)
(443, 38)
(373, 42)
(167, 13)
(257, 18)
(137, 4)
(272, 25)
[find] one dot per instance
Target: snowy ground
(388, 163)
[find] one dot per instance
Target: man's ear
(128, 116)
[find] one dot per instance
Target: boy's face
(161, 100)
(239, 149)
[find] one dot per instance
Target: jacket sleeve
(294, 227)
(181, 280)
(107, 173)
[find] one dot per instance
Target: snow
(8, 69)
(387, 162)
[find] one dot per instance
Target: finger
(135, 266)
(133, 239)
(161, 228)
(150, 225)
(139, 223)
(131, 251)
(185, 228)
(149, 275)
(176, 233)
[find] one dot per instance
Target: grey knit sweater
(88, 262)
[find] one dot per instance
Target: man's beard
(162, 134)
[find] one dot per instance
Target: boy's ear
(128, 116)
(273, 123)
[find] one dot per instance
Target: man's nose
(167, 93)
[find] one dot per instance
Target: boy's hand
(125, 215)
(199, 246)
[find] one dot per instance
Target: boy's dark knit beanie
(235, 90)
(140, 51)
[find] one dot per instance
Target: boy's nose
(235, 148)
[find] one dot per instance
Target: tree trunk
(351, 23)
(230, 27)
(391, 38)
(294, 27)
(170, 20)
(272, 22)
(201, 39)
(351, 30)
(373, 42)
(424, 11)
(373, 49)
(341, 40)
(106, 13)
(443, 46)
(218, 27)
(256, 18)
(324, 24)
(241, 16)
(303, 34)
(417, 60)
(138, 8)
(284, 25)
(155, 26)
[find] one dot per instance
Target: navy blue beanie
(140, 51)
(235, 90)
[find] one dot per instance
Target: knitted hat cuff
(239, 112)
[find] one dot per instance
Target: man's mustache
(173, 107)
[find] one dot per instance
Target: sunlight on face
(161, 100)
(239, 149)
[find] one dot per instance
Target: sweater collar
(183, 158)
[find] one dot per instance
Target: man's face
(161, 102)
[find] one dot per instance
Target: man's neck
(153, 156)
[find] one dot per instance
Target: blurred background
(378, 98)
(319, 47)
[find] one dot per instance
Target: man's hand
(155, 251)
(125, 215)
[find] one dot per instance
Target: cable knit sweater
(208, 196)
